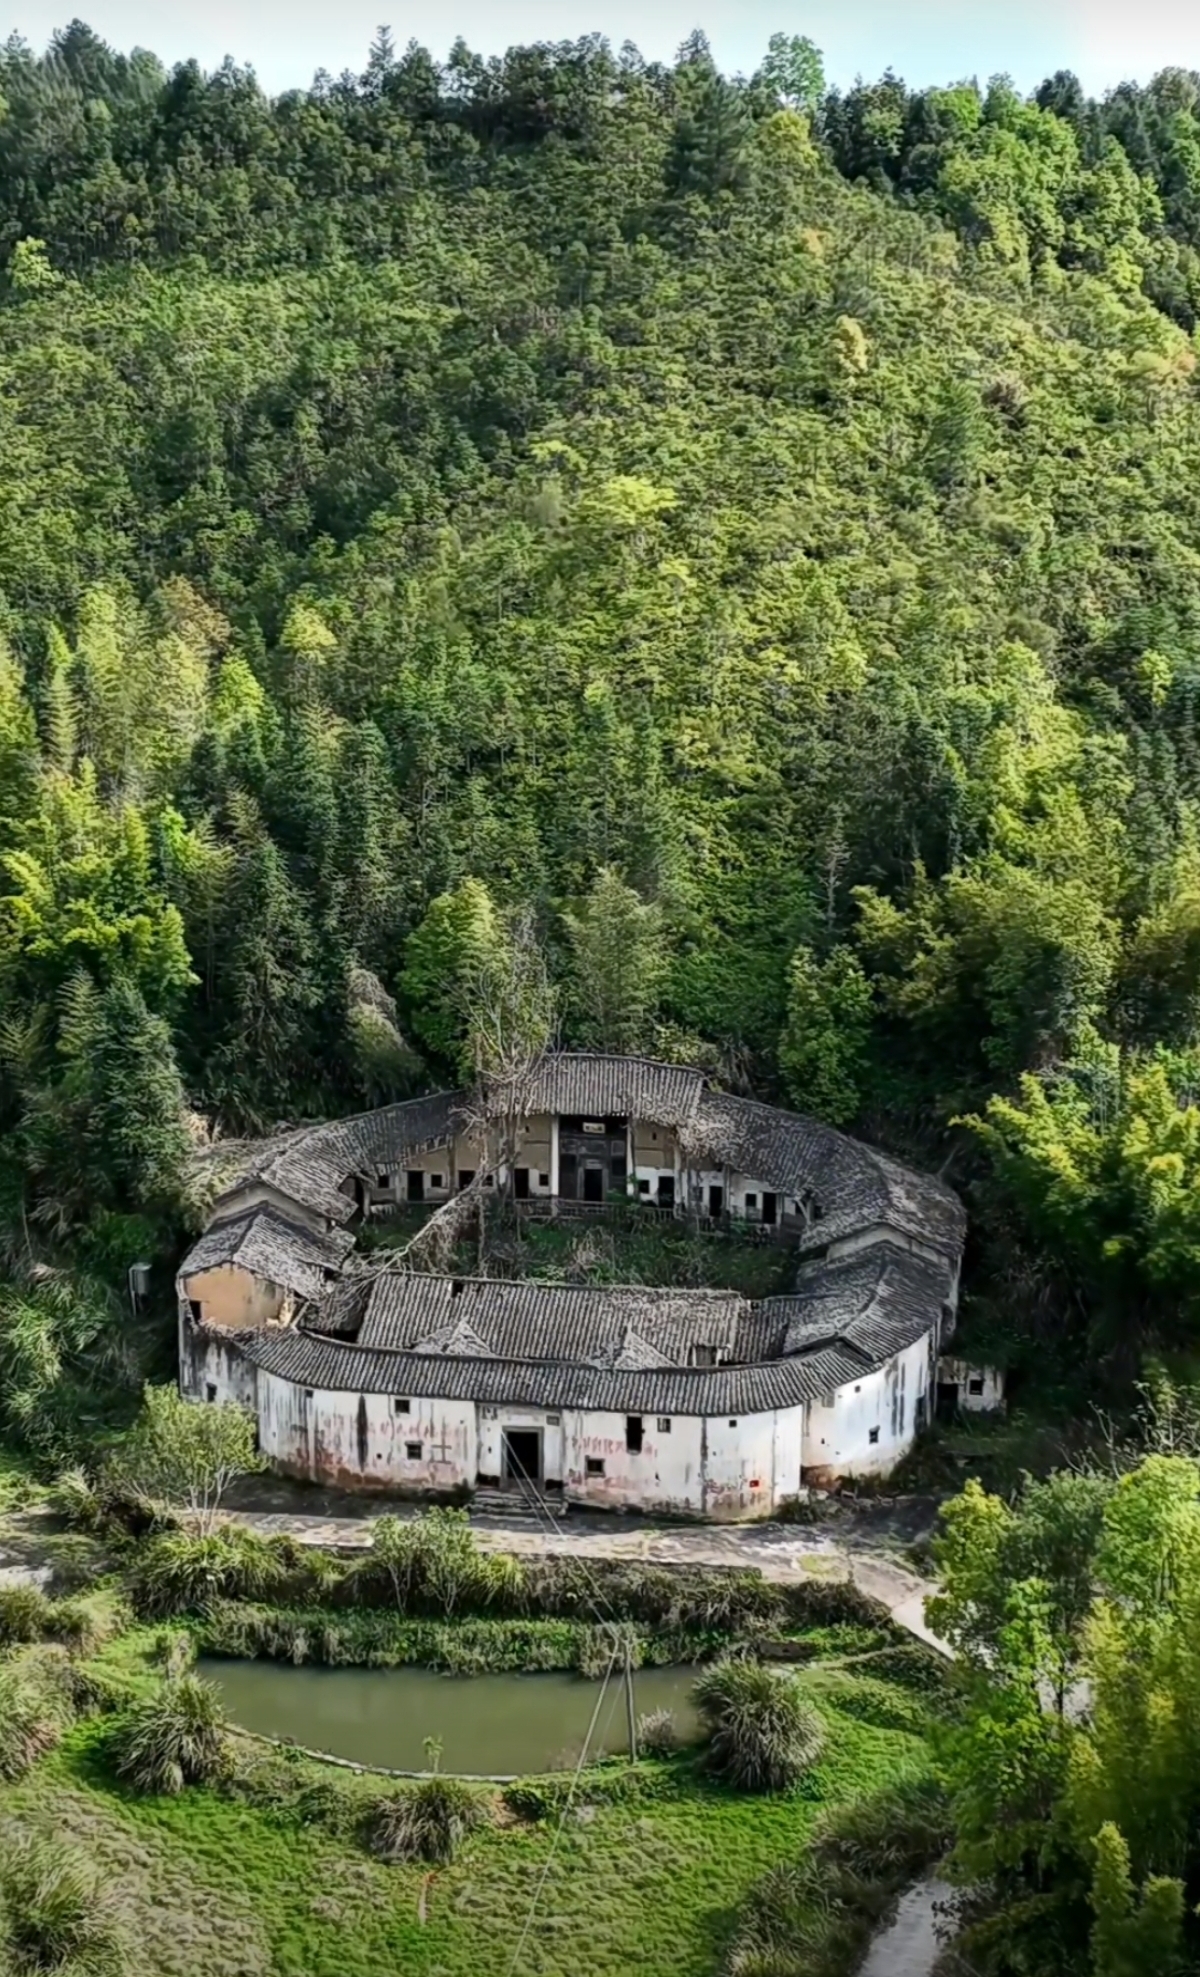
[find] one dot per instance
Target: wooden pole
(629, 1709)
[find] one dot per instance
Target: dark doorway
(593, 1182)
(522, 1455)
(416, 1184)
(947, 1400)
(769, 1206)
(666, 1190)
(617, 1171)
(716, 1201)
(465, 1176)
(568, 1167)
(521, 1183)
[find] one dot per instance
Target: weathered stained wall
(365, 1439)
(665, 1475)
(211, 1368)
(233, 1297)
(253, 1193)
(980, 1388)
(889, 1404)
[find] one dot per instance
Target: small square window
(210, 1391)
(308, 1393)
(382, 1178)
(543, 1180)
(399, 1406)
(553, 1420)
(733, 1424)
(643, 1186)
(873, 1437)
(975, 1386)
(664, 1424)
(412, 1451)
(593, 1466)
(489, 1181)
(752, 1201)
(435, 1181)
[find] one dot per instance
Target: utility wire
(558, 1831)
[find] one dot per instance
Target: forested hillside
(751, 531)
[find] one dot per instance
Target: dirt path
(780, 1551)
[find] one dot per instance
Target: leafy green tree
(823, 1049)
(454, 943)
(616, 964)
(185, 1456)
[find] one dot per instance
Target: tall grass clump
(56, 1918)
(762, 1734)
(175, 1737)
(427, 1823)
(657, 1735)
(178, 1573)
(24, 1615)
(434, 1565)
(34, 1712)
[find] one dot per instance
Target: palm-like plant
(56, 1920)
(175, 1737)
(762, 1734)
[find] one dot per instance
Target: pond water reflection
(492, 1725)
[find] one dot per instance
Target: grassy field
(215, 1888)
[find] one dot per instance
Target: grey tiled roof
(492, 1340)
(269, 1246)
(523, 1346)
(549, 1321)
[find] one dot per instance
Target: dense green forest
(744, 536)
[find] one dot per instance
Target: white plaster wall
(211, 1368)
(361, 1439)
(739, 1465)
(667, 1475)
(960, 1373)
(837, 1440)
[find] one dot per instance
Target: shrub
(597, 1646)
(55, 1916)
(657, 1735)
(529, 1802)
(33, 1717)
(762, 1734)
(427, 1823)
(78, 1499)
(178, 1573)
(24, 1615)
(173, 1738)
(174, 1650)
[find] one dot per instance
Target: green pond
(491, 1725)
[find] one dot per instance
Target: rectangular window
(382, 1177)
(543, 1180)
(733, 1424)
(704, 1355)
(643, 1186)
(752, 1201)
(633, 1434)
(664, 1424)
(465, 1176)
(412, 1451)
(435, 1181)
(873, 1437)
(975, 1386)
(308, 1393)
(593, 1466)
(196, 1309)
(210, 1392)
(399, 1406)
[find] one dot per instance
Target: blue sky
(926, 41)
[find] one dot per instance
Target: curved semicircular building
(683, 1400)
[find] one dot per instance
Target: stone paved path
(780, 1551)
